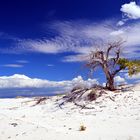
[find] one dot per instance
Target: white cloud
(40, 46)
(78, 81)
(131, 35)
(22, 81)
(74, 36)
(50, 65)
(104, 84)
(78, 37)
(124, 71)
(120, 23)
(131, 10)
(75, 58)
(100, 31)
(82, 37)
(119, 80)
(13, 65)
(117, 32)
(22, 61)
(133, 77)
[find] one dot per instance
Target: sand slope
(110, 120)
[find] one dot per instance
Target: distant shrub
(82, 128)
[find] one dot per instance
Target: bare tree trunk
(109, 78)
(110, 83)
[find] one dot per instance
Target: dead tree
(107, 59)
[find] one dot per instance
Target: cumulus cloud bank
(129, 11)
(119, 80)
(22, 81)
(133, 77)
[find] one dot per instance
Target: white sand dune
(110, 120)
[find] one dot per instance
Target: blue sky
(49, 39)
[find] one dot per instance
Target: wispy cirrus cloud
(13, 65)
(50, 65)
(69, 38)
(22, 61)
(18, 64)
(6, 36)
(72, 36)
(76, 58)
(82, 36)
(131, 35)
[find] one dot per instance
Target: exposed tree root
(40, 100)
(83, 106)
(78, 94)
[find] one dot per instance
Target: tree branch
(116, 45)
(116, 71)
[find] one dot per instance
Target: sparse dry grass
(82, 128)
